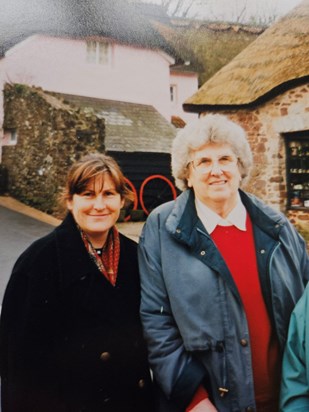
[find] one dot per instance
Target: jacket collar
(183, 221)
(267, 219)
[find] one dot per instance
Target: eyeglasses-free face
(214, 176)
(97, 208)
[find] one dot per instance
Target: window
(10, 136)
(173, 93)
(297, 149)
(98, 52)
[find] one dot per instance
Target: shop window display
(297, 146)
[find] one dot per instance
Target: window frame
(11, 136)
(173, 93)
(297, 170)
(98, 52)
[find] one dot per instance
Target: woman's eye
(203, 161)
(86, 194)
(226, 160)
(109, 194)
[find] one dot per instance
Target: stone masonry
(51, 135)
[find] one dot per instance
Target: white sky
(257, 11)
(251, 9)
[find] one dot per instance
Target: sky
(254, 11)
(247, 11)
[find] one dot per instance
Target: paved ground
(20, 225)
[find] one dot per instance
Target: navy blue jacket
(69, 340)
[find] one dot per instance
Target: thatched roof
(276, 58)
(116, 19)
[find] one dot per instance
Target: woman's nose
(99, 202)
(216, 168)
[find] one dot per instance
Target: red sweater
(238, 250)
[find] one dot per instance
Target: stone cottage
(266, 90)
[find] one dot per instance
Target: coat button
(202, 253)
(141, 383)
(244, 342)
(105, 356)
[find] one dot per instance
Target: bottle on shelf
(293, 148)
(296, 200)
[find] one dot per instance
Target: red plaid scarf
(107, 263)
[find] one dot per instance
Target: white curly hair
(212, 128)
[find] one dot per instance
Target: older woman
(220, 273)
(70, 337)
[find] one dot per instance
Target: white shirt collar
(210, 219)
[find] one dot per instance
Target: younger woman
(70, 333)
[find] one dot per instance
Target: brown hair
(89, 167)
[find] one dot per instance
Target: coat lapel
(73, 260)
(81, 281)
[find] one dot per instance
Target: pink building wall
(133, 74)
(186, 85)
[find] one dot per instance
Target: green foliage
(20, 89)
(213, 49)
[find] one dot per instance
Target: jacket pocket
(214, 360)
(223, 385)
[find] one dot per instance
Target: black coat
(69, 340)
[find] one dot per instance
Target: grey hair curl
(212, 128)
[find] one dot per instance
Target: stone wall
(51, 135)
(265, 125)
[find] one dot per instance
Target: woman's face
(214, 175)
(97, 208)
